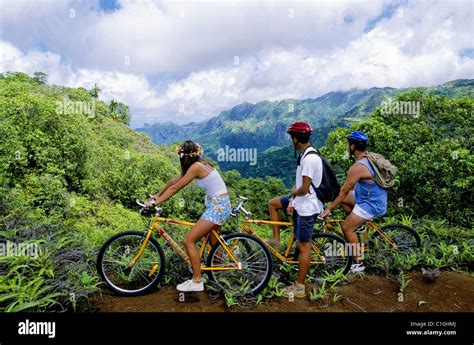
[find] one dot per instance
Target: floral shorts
(217, 209)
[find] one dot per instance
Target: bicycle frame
(176, 247)
(283, 258)
(330, 224)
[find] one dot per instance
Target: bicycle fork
(142, 248)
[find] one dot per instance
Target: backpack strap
(300, 157)
(315, 152)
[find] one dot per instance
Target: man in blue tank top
(360, 197)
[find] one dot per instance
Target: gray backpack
(384, 170)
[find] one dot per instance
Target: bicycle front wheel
(115, 257)
(253, 258)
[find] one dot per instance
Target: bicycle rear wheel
(254, 258)
(329, 253)
(404, 239)
(117, 253)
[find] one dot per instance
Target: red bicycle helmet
(300, 127)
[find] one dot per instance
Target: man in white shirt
(305, 206)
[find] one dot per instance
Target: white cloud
(321, 48)
(131, 89)
(180, 37)
(13, 59)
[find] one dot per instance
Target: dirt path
(452, 292)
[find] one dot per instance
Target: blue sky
(109, 5)
(186, 61)
(388, 11)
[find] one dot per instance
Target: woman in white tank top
(217, 204)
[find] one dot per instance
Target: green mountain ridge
(263, 125)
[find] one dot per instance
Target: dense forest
(71, 168)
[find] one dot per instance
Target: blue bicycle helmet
(358, 136)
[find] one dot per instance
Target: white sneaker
(190, 285)
(295, 290)
(357, 268)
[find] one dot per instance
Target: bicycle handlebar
(240, 207)
(323, 218)
(146, 208)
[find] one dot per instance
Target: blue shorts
(217, 209)
(304, 226)
(285, 201)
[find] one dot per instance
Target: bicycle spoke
(119, 254)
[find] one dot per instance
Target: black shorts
(285, 201)
(304, 226)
